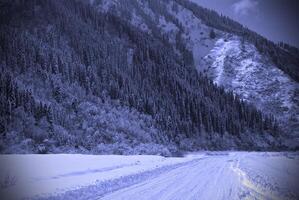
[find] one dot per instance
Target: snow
(168, 28)
(195, 33)
(218, 54)
(275, 169)
(41, 175)
(238, 66)
(202, 175)
(222, 176)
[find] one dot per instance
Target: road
(221, 176)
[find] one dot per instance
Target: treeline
(50, 46)
(284, 58)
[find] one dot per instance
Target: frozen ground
(205, 175)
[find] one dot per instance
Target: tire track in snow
(98, 190)
(205, 179)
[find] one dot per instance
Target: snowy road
(206, 175)
(220, 177)
(209, 178)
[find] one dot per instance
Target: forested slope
(76, 79)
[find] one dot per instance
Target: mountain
(236, 58)
(136, 77)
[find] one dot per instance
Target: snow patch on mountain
(168, 28)
(238, 66)
(218, 55)
(195, 34)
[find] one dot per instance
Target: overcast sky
(277, 20)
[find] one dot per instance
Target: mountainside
(259, 71)
(131, 77)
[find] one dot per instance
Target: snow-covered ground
(205, 175)
(43, 175)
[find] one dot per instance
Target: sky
(277, 20)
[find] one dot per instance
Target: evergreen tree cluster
(13, 97)
(49, 47)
